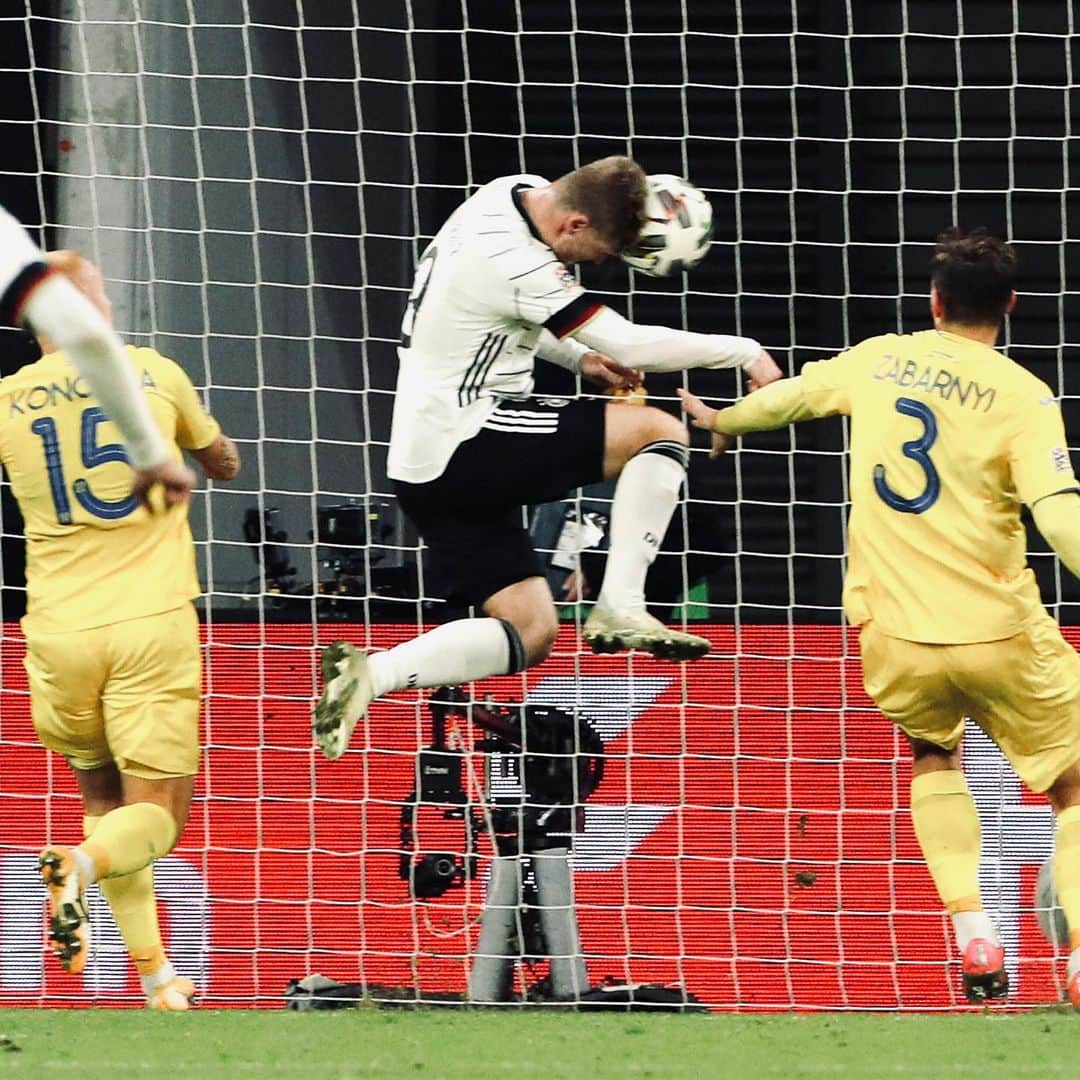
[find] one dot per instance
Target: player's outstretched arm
(660, 348)
(774, 406)
(703, 417)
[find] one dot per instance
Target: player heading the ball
(469, 446)
(949, 438)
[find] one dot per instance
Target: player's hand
(175, 479)
(608, 373)
(762, 372)
(702, 416)
(575, 588)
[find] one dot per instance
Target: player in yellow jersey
(949, 438)
(112, 643)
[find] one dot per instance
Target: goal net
(257, 180)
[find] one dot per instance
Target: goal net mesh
(257, 180)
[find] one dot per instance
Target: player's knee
(929, 757)
(539, 637)
(659, 426)
(1065, 790)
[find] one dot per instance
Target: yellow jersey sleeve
(822, 388)
(195, 427)
(1038, 453)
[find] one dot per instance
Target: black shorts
(474, 516)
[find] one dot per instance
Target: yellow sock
(130, 837)
(133, 905)
(947, 826)
(1067, 870)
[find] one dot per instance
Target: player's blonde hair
(611, 193)
(974, 274)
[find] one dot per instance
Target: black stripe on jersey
(27, 279)
(566, 320)
(482, 374)
(476, 360)
(538, 266)
(485, 356)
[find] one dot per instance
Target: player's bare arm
(703, 417)
(220, 460)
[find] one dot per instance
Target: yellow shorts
(1023, 691)
(127, 692)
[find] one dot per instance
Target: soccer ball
(677, 231)
(1047, 910)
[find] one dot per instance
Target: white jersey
(22, 266)
(484, 288)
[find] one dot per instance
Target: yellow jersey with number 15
(948, 438)
(93, 556)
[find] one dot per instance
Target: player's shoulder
(873, 348)
(492, 225)
(153, 367)
(1020, 383)
(498, 194)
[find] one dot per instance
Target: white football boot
(609, 631)
(347, 693)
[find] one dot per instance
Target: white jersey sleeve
(22, 267)
(32, 293)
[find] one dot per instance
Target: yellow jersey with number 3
(948, 438)
(93, 556)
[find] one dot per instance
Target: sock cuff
(669, 448)
(939, 782)
(1069, 816)
(970, 904)
(517, 647)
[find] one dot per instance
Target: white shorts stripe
(525, 414)
(522, 428)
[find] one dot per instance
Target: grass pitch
(451, 1044)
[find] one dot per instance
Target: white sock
(164, 975)
(449, 655)
(968, 925)
(85, 865)
(645, 498)
(1074, 965)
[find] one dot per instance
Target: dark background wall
(292, 168)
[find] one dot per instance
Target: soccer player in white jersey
(469, 447)
(34, 295)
